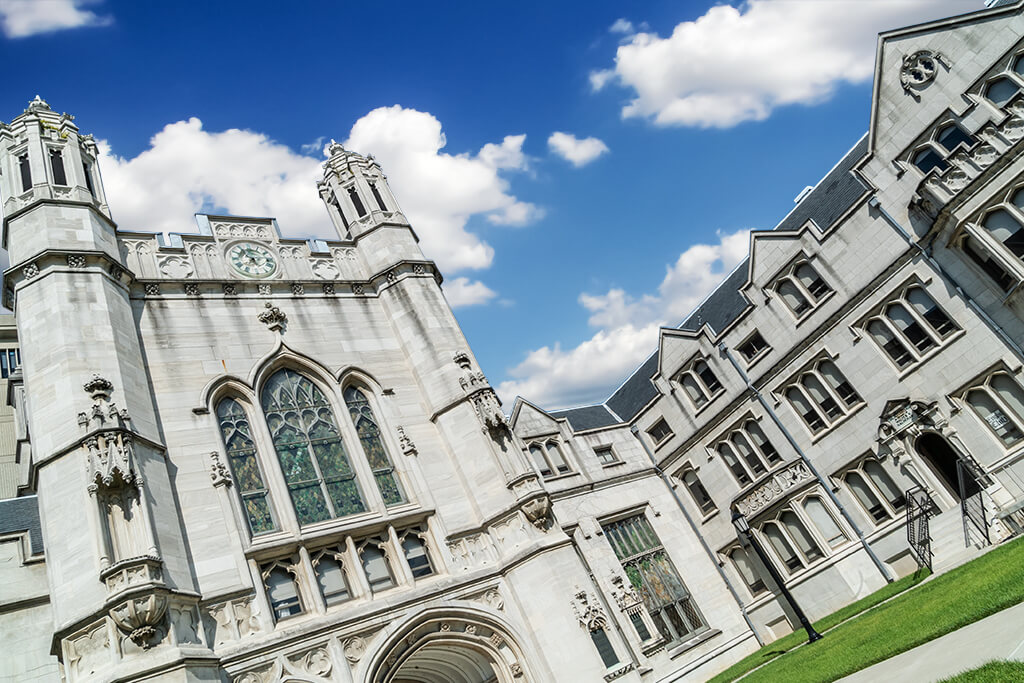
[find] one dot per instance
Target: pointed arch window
(313, 458)
(245, 466)
(373, 446)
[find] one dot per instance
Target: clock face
(252, 260)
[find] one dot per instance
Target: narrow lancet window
(245, 466)
(356, 202)
(57, 167)
(376, 195)
(26, 173)
(376, 452)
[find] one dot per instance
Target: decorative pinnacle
(38, 104)
(98, 388)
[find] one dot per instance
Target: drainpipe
(693, 527)
(604, 603)
(807, 461)
(874, 203)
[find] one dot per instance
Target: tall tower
(116, 558)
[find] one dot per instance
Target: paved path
(1000, 636)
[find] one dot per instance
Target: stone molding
(774, 488)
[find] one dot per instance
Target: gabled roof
(587, 417)
(22, 514)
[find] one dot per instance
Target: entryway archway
(449, 663)
(941, 458)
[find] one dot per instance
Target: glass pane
(707, 377)
(734, 465)
(746, 451)
(333, 583)
(604, 647)
(953, 135)
(1006, 229)
(1010, 392)
(245, 466)
(640, 626)
(892, 346)
(57, 167)
(911, 329)
(798, 532)
(604, 454)
(257, 511)
(376, 567)
(693, 389)
(761, 441)
(782, 548)
(994, 416)
(810, 279)
(373, 446)
(1001, 90)
(537, 453)
(793, 297)
(866, 497)
(377, 197)
(697, 490)
(309, 502)
(927, 158)
(346, 497)
(416, 555)
(746, 570)
(930, 311)
(819, 515)
(836, 380)
(977, 253)
(821, 396)
(803, 407)
(282, 593)
(555, 456)
(881, 479)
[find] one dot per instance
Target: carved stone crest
(918, 69)
(273, 317)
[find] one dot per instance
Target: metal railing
(920, 509)
(972, 503)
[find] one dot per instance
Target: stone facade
(237, 456)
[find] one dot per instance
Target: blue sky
(562, 253)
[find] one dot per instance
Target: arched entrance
(449, 663)
(941, 458)
(450, 645)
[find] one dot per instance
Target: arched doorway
(450, 645)
(449, 663)
(941, 458)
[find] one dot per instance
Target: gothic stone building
(241, 457)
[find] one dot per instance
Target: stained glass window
(245, 466)
(373, 445)
(313, 459)
(655, 579)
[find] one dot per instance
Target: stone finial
(98, 388)
(461, 359)
(334, 147)
(38, 104)
(273, 317)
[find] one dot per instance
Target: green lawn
(993, 672)
(786, 643)
(970, 592)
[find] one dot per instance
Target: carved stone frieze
(76, 261)
(233, 619)
(317, 662)
(471, 552)
(354, 648)
(131, 573)
(88, 652)
(251, 230)
(774, 488)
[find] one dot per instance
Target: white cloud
(627, 330)
(461, 292)
(624, 26)
(188, 169)
(315, 147)
(23, 18)
(577, 151)
(440, 191)
(736, 64)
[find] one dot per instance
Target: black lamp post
(743, 529)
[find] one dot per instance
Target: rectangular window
(57, 167)
(356, 202)
(753, 347)
(87, 172)
(652, 574)
(660, 431)
(605, 455)
(416, 554)
(282, 592)
(26, 173)
(604, 647)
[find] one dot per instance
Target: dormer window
(548, 458)
(699, 383)
(26, 172)
(57, 167)
(801, 288)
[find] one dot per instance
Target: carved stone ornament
(918, 69)
(152, 289)
(774, 488)
(139, 617)
(624, 594)
(76, 261)
(110, 455)
(230, 289)
(317, 662)
(538, 511)
(31, 270)
(588, 611)
(273, 317)
(405, 443)
(218, 470)
(355, 648)
(263, 289)
(357, 289)
(419, 269)
(461, 358)
(298, 289)
(328, 288)
(191, 289)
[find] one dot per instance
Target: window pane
(746, 569)
(782, 548)
(930, 311)
(697, 490)
(57, 167)
(911, 329)
(357, 202)
(537, 453)
(753, 346)
(808, 546)
(761, 441)
(333, 583)
(821, 397)
(416, 555)
(994, 416)
(373, 446)
(26, 173)
(605, 455)
(810, 279)
(693, 389)
(707, 377)
(927, 158)
(1001, 90)
(825, 523)
(793, 297)
(803, 407)
(378, 575)
(282, 593)
(556, 458)
(836, 380)
(881, 479)
(953, 135)
(977, 253)
(1011, 394)
(866, 497)
(1007, 230)
(87, 172)
(745, 450)
(245, 465)
(733, 464)
(377, 197)
(892, 346)
(640, 626)
(604, 647)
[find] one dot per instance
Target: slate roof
(22, 514)
(829, 200)
(587, 417)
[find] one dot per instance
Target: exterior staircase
(948, 546)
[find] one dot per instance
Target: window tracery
(822, 396)
(910, 326)
(245, 466)
(801, 288)
(373, 446)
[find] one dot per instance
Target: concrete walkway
(1000, 636)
